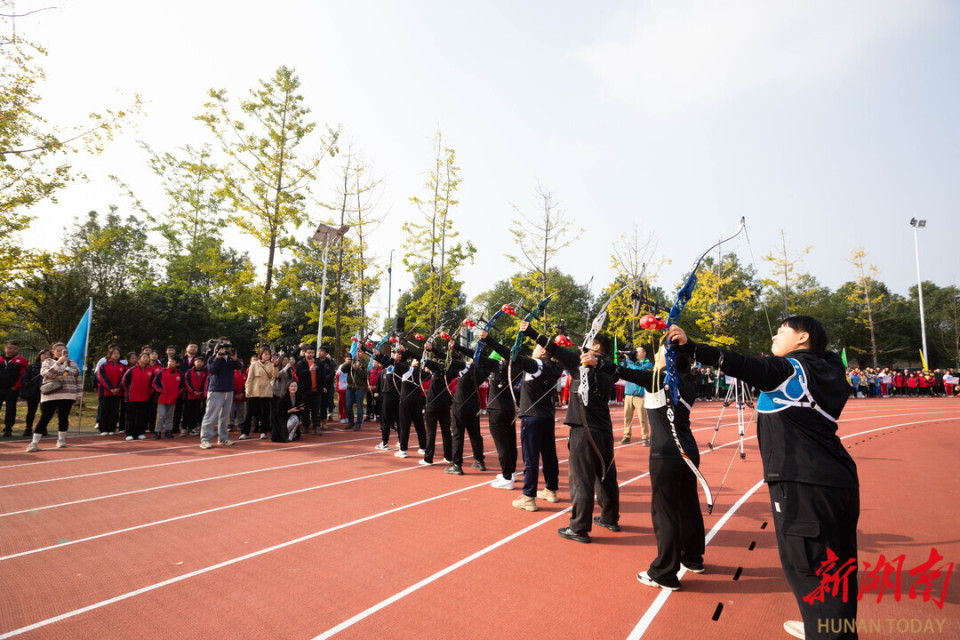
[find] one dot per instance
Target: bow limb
(671, 381)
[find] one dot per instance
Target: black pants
(31, 414)
(503, 429)
(438, 414)
(109, 409)
(178, 413)
(257, 409)
(59, 407)
(192, 413)
(371, 404)
(585, 473)
(677, 520)
(466, 419)
(9, 396)
(152, 415)
(809, 520)
(390, 406)
(138, 415)
(411, 412)
(539, 440)
(326, 402)
(311, 413)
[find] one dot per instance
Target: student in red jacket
(239, 398)
(12, 366)
(195, 390)
(138, 391)
(167, 384)
(110, 378)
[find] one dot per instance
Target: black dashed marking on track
(736, 576)
(763, 526)
(753, 543)
(718, 611)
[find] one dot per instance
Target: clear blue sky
(835, 122)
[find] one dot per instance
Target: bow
(508, 309)
(670, 381)
(583, 391)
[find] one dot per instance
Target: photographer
(633, 399)
(219, 394)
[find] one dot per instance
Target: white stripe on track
(205, 458)
(661, 599)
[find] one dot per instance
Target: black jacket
(797, 444)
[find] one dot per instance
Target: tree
(356, 197)
(723, 302)
(631, 260)
(265, 178)
(865, 295)
(113, 255)
(540, 240)
(430, 256)
(789, 284)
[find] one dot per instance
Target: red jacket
(240, 386)
(13, 364)
(167, 383)
(110, 376)
(138, 384)
(195, 384)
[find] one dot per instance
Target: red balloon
(563, 341)
(508, 310)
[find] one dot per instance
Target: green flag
(616, 356)
(495, 356)
(843, 356)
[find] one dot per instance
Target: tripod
(737, 393)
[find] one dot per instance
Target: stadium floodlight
(327, 235)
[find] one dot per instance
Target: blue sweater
(221, 374)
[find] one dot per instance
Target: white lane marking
(661, 599)
(446, 570)
(204, 458)
(227, 563)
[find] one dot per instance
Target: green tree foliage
(723, 302)
(267, 176)
(431, 255)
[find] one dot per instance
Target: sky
(832, 122)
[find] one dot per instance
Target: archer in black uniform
(466, 407)
(591, 454)
(813, 482)
(502, 413)
(537, 421)
(411, 402)
(674, 504)
(437, 408)
(389, 388)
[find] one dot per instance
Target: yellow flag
(923, 361)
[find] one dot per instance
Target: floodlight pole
(389, 282)
(916, 224)
(327, 235)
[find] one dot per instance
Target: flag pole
(83, 365)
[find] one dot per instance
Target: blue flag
(78, 342)
(355, 345)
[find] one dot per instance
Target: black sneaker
(454, 469)
(479, 465)
(27, 433)
(693, 567)
(570, 534)
(612, 527)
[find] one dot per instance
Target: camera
(216, 346)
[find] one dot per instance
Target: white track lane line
(204, 458)
(661, 599)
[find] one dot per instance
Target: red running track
(328, 537)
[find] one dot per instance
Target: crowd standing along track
(328, 538)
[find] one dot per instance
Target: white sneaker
(61, 443)
(644, 578)
(104, 433)
(795, 628)
(141, 437)
(33, 447)
(225, 443)
(382, 447)
(502, 483)
(243, 436)
(424, 462)
(517, 477)
(205, 444)
(420, 452)
(401, 454)
(263, 436)
(129, 438)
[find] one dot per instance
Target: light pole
(919, 224)
(327, 235)
(389, 282)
